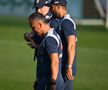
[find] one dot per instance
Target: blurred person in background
(67, 32)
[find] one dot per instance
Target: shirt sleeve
(68, 28)
(51, 45)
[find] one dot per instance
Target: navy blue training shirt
(50, 44)
(53, 22)
(67, 27)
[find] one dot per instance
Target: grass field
(17, 68)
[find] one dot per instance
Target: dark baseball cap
(40, 3)
(60, 2)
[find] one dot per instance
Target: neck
(46, 10)
(63, 13)
(47, 29)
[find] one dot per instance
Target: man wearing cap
(67, 32)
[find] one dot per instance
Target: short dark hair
(38, 16)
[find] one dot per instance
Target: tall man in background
(67, 32)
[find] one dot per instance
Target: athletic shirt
(66, 28)
(50, 44)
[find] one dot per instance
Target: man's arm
(52, 49)
(68, 28)
(54, 70)
(54, 65)
(51, 46)
(71, 40)
(28, 36)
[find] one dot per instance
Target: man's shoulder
(68, 21)
(52, 36)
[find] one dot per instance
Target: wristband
(69, 66)
(52, 82)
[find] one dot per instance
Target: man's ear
(58, 6)
(39, 24)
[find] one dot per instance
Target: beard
(55, 15)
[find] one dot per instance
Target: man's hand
(32, 44)
(28, 36)
(35, 85)
(52, 85)
(69, 73)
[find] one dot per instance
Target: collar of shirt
(49, 32)
(67, 15)
(48, 15)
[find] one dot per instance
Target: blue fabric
(48, 46)
(66, 28)
(54, 22)
(68, 85)
(37, 39)
(51, 45)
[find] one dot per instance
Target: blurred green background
(17, 68)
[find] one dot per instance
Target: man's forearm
(71, 50)
(71, 55)
(54, 66)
